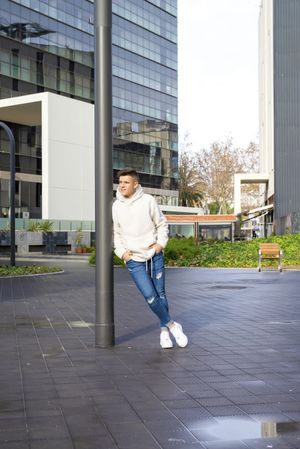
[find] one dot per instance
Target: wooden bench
(270, 251)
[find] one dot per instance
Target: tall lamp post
(12, 146)
(104, 319)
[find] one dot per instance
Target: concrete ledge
(38, 242)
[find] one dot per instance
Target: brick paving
(236, 386)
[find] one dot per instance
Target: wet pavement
(237, 384)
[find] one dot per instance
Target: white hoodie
(138, 223)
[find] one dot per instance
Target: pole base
(104, 335)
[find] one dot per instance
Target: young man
(140, 235)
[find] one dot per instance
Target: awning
(261, 209)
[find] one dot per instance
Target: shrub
(33, 226)
(44, 226)
(229, 254)
(116, 260)
(241, 254)
(180, 250)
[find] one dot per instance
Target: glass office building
(48, 45)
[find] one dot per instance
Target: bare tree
(190, 186)
(206, 176)
(250, 193)
(250, 158)
(216, 168)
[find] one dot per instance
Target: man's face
(127, 185)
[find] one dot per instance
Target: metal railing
(25, 224)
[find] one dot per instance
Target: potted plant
(78, 240)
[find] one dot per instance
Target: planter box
(60, 242)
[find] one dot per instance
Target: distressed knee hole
(151, 300)
(159, 275)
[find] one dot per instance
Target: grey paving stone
(173, 436)
(181, 403)
(85, 425)
(226, 445)
(132, 435)
(47, 427)
(61, 443)
(227, 410)
(99, 442)
(243, 361)
(214, 402)
(13, 435)
(43, 407)
(15, 445)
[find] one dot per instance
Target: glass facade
(28, 170)
(48, 45)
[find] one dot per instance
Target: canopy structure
(246, 178)
(205, 221)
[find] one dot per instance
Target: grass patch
(24, 270)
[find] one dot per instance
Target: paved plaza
(236, 386)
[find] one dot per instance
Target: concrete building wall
(67, 151)
(266, 93)
(68, 158)
(280, 108)
(287, 112)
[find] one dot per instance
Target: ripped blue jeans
(149, 278)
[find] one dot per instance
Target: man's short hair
(128, 171)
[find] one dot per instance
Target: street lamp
(12, 146)
(104, 317)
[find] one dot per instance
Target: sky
(218, 71)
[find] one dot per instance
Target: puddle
(285, 322)
(80, 324)
(244, 429)
(227, 287)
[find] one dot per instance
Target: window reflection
(48, 45)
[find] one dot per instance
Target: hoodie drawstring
(151, 267)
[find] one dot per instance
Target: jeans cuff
(169, 324)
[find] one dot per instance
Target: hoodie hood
(137, 195)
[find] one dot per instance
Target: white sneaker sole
(181, 339)
(166, 344)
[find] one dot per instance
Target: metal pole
(104, 320)
(12, 193)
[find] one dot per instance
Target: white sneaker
(165, 340)
(177, 332)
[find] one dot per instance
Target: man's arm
(161, 225)
(120, 250)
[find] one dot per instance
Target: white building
(279, 75)
(67, 152)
